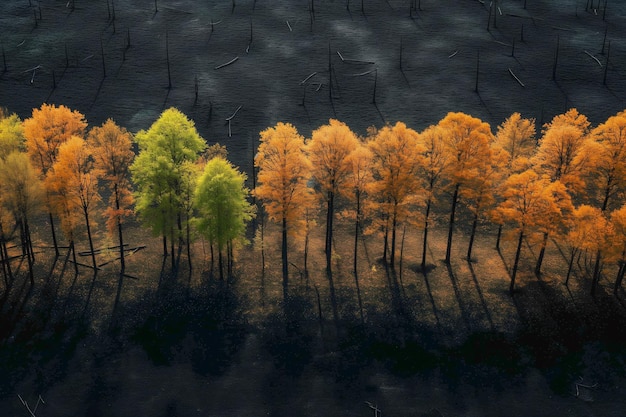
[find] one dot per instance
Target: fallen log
(307, 78)
(594, 58)
(227, 63)
(517, 79)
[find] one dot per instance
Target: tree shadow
(457, 293)
(90, 292)
(483, 302)
(432, 301)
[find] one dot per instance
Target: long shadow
(459, 299)
(333, 296)
(482, 297)
(358, 294)
(432, 302)
(89, 294)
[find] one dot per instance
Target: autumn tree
(283, 172)
(618, 244)
(467, 143)
(355, 188)
(113, 154)
(607, 154)
(397, 157)
(161, 172)
(21, 195)
(431, 172)
(328, 150)
(587, 232)
(563, 155)
(516, 137)
(45, 131)
(11, 133)
(222, 206)
(74, 180)
(530, 201)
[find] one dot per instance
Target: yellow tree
(46, 129)
(436, 161)
(355, 189)
(516, 137)
(589, 231)
(74, 180)
(530, 201)
(618, 244)
(563, 155)
(11, 133)
(467, 143)
(397, 157)
(283, 172)
(328, 151)
(21, 195)
(113, 155)
(608, 160)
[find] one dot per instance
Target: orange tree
(74, 180)
(328, 151)
(113, 154)
(283, 172)
(48, 128)
(397, 156)
(529, 202)
(467, 143)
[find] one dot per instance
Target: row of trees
(566, 184)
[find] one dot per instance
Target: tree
(618, 244)
(530, 201)
(467, 143)
(563, 156)
(11, 133)
(328, 151)
(47, 128)
(588, 232)
(516, 137)
(113, 155)
(222, 206)
(283, 173)
(355, 189)
(436, 161)
(160, 171)
(608, 160)
(21, 195)
(74, 180)
(397, 156)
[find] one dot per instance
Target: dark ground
(452, 341)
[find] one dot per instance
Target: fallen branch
(361, 74)
(228, 63)
(233, 115)
(307, 78)
(453, 54)
(594, 58)
(340, 56)
(517, 79)
(290, 30)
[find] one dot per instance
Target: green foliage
(11, 134)
(221, 202)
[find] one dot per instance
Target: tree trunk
(518, 251)
(285, 261)
(570, 265)
(73, 250)
(54, 235)
(120, 236)
(394, 224)
(164, 244)
(90, 239)
(329, 231)
(425, 242)
(455, 198)
(6, 264)
(188, 232)
(172, 248)
(220, 263)
(596, 272)
(542, 252)
(620, 277)
(472, 235)
(356, 230)
(499, 237)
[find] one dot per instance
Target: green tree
(160, 175)
(11, 133)
(328, 151)
(283, 173)
(222, 206)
